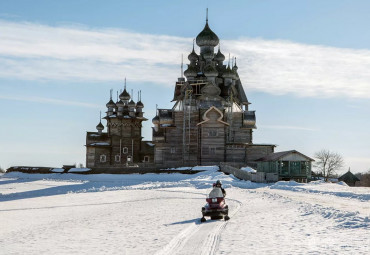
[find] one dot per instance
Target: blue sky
(304, 65)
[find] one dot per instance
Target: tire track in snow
(199, 238)
(179, 241)
(210, 245)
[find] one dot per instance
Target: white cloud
(48, 101)
(34, 51)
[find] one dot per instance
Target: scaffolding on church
(187, 107)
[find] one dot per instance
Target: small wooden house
(289, 165)
(349, 178)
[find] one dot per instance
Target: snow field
(160, 214)
(273, 224)
(96, 223)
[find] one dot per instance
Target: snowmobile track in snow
(202, 238)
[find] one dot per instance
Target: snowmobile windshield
(216, 192)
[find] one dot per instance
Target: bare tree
(327, 162)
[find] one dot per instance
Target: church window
(125, 150)
(117, 158)
(212, 132)
(146, 158)
(103, 158)
(173, 150)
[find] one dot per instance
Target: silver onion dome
(111, 104)
(207, 37)
(219, 56)
(100, 126)
(210, 71)
(124, 95)
(193, 56)
(191, 71)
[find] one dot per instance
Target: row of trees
(364, 179)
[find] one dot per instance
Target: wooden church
(210, 121)
(122, 144)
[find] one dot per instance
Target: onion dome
(209, 70)
(191, 71)
(207, 37)
(193, 56)
(140, 105)
(219, 56)
(100, 126)
(228, 73)
(120, 104)
(155, 120)
(110, 104)
(131, 103)
(124, 95)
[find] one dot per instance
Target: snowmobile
(216, 207)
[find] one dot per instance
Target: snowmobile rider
(218, 184)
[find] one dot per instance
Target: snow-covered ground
(160, 214)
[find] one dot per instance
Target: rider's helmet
(218, 183)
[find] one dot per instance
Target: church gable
(213, 115)
(212, 137)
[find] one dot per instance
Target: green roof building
(289, 165)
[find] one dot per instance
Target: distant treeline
(364, 179)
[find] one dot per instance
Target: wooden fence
(259, 177)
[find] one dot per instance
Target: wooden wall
(212, 139)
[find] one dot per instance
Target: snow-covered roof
(248, 169)
(57, 170)
(100, 144)
(78, 170)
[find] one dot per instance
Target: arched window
(117, 158)
(146, 158)
(125, 150)
(103, 158)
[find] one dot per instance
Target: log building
(210, 121)
(122, 144)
